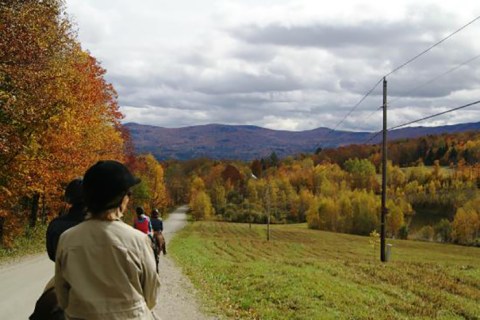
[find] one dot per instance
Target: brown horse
(158, 246)
(47, 307)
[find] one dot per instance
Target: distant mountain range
(245, 142)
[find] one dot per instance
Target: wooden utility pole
(268, 211)
(384, 175)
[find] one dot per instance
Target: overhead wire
(417, 88)
(372, 137)
(431, 47)
(350, 112)
(421, 119)
(436, 78)
(429, 81)
(358, 103)
(434, 115)
(397, 69)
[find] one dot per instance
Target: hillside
(306, 274)
(249, 142)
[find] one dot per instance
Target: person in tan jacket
(104, 268)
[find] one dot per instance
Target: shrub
(426, 233)
(443, 230)
(403, 232)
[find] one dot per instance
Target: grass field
(307, 274)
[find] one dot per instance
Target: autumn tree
(466, 224)
(201, 206)
(151, 172)
(57, 113)
(362, 173)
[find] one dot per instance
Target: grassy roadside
(306, 274)
(31, 242)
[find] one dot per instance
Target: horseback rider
(142, 222)
(104, 269)
(75, 215)
(46, 306)
(157, 225)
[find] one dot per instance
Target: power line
(421, 119)
(436, 77)
(358, 103)
(431, 47)
(434, 115)
(405, 64)
(395, 70)
(349, 113)
(372, 113)
(372, 137)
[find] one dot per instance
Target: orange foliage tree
(58, 115)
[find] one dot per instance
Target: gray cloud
(332, 36)
(278, 65)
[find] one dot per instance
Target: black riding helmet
(155, 213)
(74, 192)
(139, 211)
(105, 184)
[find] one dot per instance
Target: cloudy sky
(284, 64)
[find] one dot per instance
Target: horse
(158, 243)
(47, 308)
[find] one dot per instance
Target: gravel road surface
(22, 282)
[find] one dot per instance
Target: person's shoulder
(60, 224)
(136, 238)
(70, 232)
(57, 220)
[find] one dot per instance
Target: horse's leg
(164, 244)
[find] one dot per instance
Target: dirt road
(22, 282)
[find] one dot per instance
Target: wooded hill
(217, 141)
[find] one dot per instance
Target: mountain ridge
(247, 142)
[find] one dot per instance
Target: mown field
(307, 274)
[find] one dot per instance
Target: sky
(282, 64)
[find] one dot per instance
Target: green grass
(30, 242)
(307, 274)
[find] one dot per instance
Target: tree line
(329, 196)
(448, 149)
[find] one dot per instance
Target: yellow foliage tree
(466, 225)
(201, 206)
(152, 174)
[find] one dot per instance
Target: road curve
(21, 283)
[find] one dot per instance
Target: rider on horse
(157, 225)
(142, 222)
(75, 215)
(103, 268)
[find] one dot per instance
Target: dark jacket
(57, 226)
(157, 224)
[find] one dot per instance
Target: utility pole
(268, 211)
(384, 174)
(267, 196)
(249, 215)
